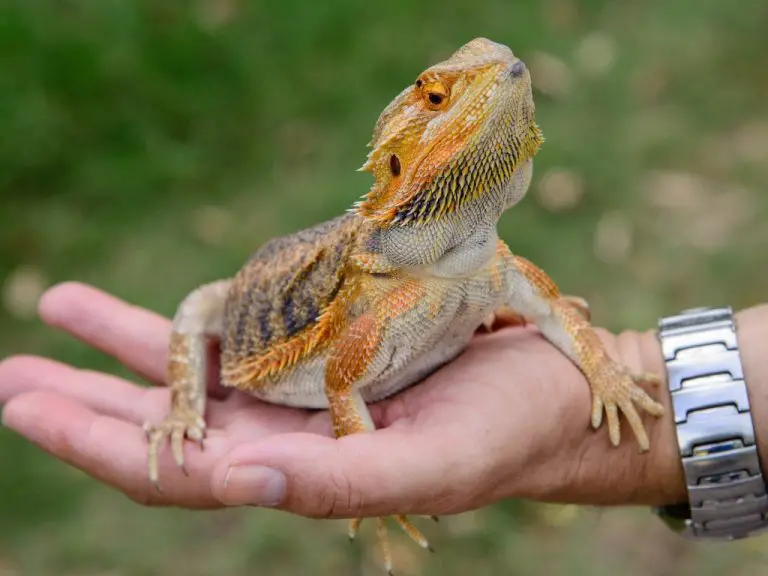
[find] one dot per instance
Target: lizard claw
(383, 537)
(175, 428)
(648, 378)
(616, 389)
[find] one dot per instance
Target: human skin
(509, 418)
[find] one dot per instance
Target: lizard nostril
(517, 69)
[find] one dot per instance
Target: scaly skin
(360, 307)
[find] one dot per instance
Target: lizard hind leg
(349, 360)
(199, 315)
(506, 317)
(350, 415)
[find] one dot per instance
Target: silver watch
(726, 492)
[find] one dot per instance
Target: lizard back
(278, 307)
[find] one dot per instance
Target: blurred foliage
(148, 146)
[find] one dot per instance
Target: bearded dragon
(357, 308)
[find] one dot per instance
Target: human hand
(508, 418)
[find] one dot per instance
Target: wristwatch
(726, 491)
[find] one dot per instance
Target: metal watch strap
(726, 492)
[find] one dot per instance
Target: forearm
(598, 474)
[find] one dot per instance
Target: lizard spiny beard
(487, 164)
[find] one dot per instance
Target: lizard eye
(436, 94)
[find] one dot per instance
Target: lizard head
(459, 131)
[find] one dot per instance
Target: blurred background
(149, 146)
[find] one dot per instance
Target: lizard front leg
(534, 294)
(199, 315)
(352, 357)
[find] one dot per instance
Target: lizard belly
(415, 346)
(410, 365)
(302, 386)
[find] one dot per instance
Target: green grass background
(148, 146)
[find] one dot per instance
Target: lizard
(357, 308)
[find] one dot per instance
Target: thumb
(371, 474)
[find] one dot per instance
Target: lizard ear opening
(394, 165)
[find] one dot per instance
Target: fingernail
(254, 485)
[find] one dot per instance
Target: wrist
(662, 481)
(600, 474)
(752, 331)
(585, 468)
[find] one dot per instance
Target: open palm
(509, 417)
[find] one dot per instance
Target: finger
(136, 337)
(581, 305)
(382, 473)
(111, 450)
(107, 395)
